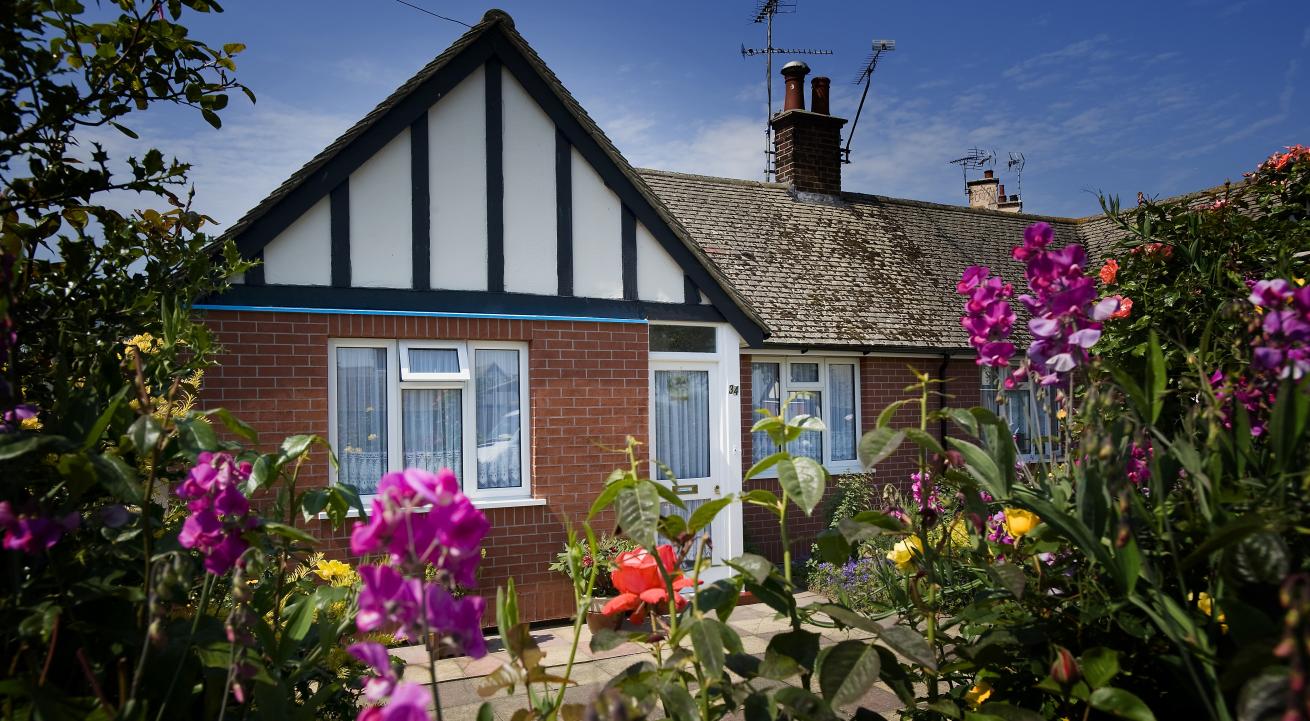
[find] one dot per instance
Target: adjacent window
(431, 405)
(823, 387)
(1030, 411)
(682, 339)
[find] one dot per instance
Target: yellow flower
(333, 571)
(902, 554)
(1019, 523)
(1206, 605)
(1062, 414)
(31, 424)
(959, 533)
(979, 694)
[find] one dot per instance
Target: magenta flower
(458, 618)
(988, 317)
(409, 702)
(1282, 349)
(422, 518)
(1138, 465)
(31, 532)
(383, 681)
(1065, 323)
(220, 512)
(388, 601)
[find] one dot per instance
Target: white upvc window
(432, 405)
(1030, 411)
(824, 387)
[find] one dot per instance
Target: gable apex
(494, 41)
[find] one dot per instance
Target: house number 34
(734, 390)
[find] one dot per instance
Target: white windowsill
(483, 503)
(841, 468)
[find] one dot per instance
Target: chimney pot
(794, 72)
(987, 173)
(819, 95)
(1001, 191)
(1014, 198)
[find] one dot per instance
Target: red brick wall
(882, 381)
(588, 390)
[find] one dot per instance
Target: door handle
(716, 489)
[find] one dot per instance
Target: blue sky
(1164, 97)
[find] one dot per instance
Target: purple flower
(220, 512)
(408, 702)
(1064, 323)
(422, 518)
(12, 419)
(988, 317)
(1138, 466)
(458, 618)
(31, 532)
(388, 601)
(383, 681)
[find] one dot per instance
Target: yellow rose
(979, 694)
(1019, 523)
(902, 554)
(333, 571)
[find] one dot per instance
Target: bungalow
(473, 277)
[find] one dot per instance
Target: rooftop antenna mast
(1015, 165)
(866, 77)
(765, 10)
(974, 159)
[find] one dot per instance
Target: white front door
(689, 441)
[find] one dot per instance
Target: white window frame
(461, 352)
(788, 388)
(1025, 387)
(397, 382)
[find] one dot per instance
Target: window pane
(682, 422)
(804, 372)
(433, 429)
(361, 417)
(841, 418)
(668, 509)
(496, 374)
(682, 339)
(765, 393)
(811, 442)
(433, 360)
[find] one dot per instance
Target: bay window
(431, 405)
(822, 387)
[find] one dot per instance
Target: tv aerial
(866, 76)
(974, 159)
(765, 10)
(1015, 165)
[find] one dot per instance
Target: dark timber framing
(495, 180)
(420, 202)
(402, 300)
(339, 206)
(690, 293)
(629, 233)
(564, 212)
(255, 276)
(496, 44)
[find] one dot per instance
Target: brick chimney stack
(984, 192)
(807, 143)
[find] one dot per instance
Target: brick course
(588, 392)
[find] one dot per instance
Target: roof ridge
(712, 178)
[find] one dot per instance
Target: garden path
(459, 678)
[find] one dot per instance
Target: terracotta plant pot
(596, 620)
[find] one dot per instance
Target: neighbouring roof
(868, 272)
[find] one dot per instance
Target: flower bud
(158, 638)
(1064, 669)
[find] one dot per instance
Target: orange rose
(1125, 307)
(640, 585)
(1109, 271)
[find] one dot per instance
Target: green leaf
(800, 646)
(847, 617)
(980, 466)
(196, 436)
(702, 516)
(486, 712)
(299, 619)
(885, 418)
(608, 494)
(925, 441)
(847, 671)
(1128, 566)
(833, 546)
(719, 594)
(98, 428)
(762, 497)
(756, 567)
(1006, 712)
(1100, 665)
(234, 425)
(678, 704)
(707, 639)
(14, 445)
(766, 463)
(910, 644)
(296, 446)
(803, 480)
(288, 532)
(1264, 696)
(145, 433)
(1010, 577)
(638, 510)
(1118, 702)
(1156, 377)
(607, 639)
(1258, 558)
(878, 444)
